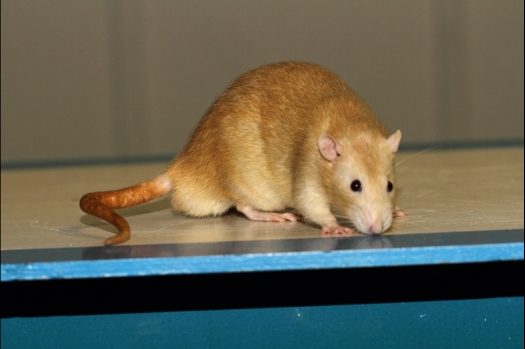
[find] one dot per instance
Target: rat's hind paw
(256, 215)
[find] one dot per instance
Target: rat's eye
(389, 187)
(356, 186)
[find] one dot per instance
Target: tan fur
(257, 148)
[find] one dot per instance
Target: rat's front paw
(399, 213)
(336, 231)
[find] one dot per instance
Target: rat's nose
(376, 227)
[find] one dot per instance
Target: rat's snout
(375, 227)
(372, 223)
(369, 225)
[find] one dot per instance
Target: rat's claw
(399, 213)
(336, 231)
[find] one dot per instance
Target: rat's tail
(101, 204)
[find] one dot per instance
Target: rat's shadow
(148, 207)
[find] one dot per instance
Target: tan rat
(285, 135)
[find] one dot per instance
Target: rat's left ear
(330, 148)
(393, 141)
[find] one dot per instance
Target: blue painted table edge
(258, 256)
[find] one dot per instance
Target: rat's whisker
(411, 156)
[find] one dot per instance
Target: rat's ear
(393, 141)
(330, 148)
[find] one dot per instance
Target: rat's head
(362, 184)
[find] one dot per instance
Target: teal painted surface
(478, 323)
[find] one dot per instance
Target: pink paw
(399, 213)
(281, 217)
(336, 231)
(256, 215)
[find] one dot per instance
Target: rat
(288, 135)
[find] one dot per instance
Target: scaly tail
(102, 204)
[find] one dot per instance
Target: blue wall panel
(476, 323)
